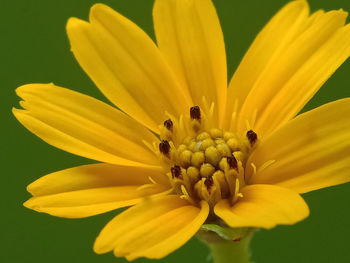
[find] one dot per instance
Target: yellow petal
(127, 66)
(84, 126)
(269, 43)
(263, 206)
(91, 189)
(310, 152)
(152, 229)
(298, 73)
(189, 34)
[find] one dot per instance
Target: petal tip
(18, 113)
(21, 90)
(74, 24)
(31, 188)
(299, 5)
(100, 247)
(340, 13)
(99, 9)
(29, 204)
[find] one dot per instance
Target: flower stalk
(227, 245)
(231, 251)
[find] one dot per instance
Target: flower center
(204, 162)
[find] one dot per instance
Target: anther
(195, 113)
(232, 162)
(252, 137)
(164, 147)
(209, 182)
(175, 171)
(168, 124)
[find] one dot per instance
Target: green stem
(231, 251)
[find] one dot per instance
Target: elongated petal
(91, 189)
(84, 126)
(269, 43)
(299, 73)
(263, 206)
(309, 153)
(126, 66)
(189, 34)
(152, 229)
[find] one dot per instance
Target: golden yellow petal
(310, 152)
(189, 34)
(263, 206)
(288, 84)
(84, 126)
(91, 189)
(268, 44)
(94, 176)
(152, 229)
(127, 66)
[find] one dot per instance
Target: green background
(34, 48)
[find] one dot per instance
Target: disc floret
(204, 162)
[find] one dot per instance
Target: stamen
(204, 162)
(175, 171)
(252, 137)
(195, 113)
(209, 182)
(254, 168)
(168, 124)
(232, 162)
(164, 147)
(185, 195)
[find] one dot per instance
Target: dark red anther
(232, 162)
(164, 147)
(175, 171)
(209, 182)
(195, 113)
(237, 239)
(168, 124)
(252, 137)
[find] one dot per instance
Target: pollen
(168, 124)
(204, 161)
(252, 137)
(195, 113)
(164, 147)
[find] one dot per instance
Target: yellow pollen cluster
(204, 163)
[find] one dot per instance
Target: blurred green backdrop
(34, 48)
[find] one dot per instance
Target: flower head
(184, 149)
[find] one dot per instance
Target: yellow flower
(184, 146)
